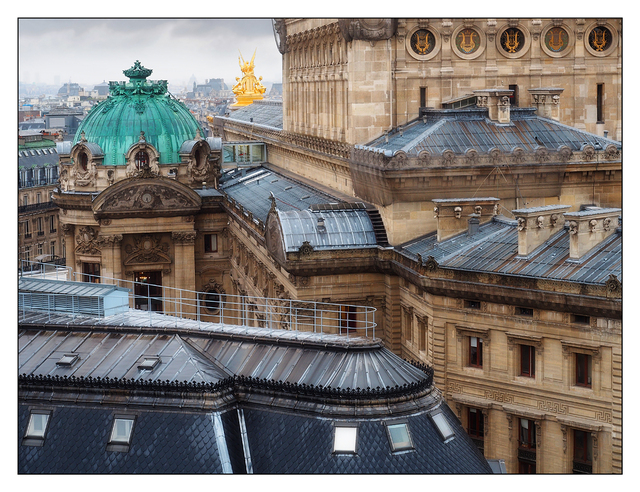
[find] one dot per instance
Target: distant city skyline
(89, 51)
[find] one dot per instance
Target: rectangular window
(348, 319)
(121, 433)
(408, 325)
(475, 352)
(210, 243)
(399, 437)
(527, 437)
(513, 98)
(582, 451)
(52, 250)
(475, 427)
(39, 226)
(52, 223)
(422, 334)
(345, 439)
(443, 426)
(521, 311)
(580, 319)
(423, 97)
(91, 272)
(38, 198)
(599, 103)
(472, 304)
(527, 361)
(583, 370)
(36, 428)
(25, 200)
(27, 229)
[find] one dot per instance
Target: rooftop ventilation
(537, 224)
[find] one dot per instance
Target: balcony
(36, 207)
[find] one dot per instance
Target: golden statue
(248, 88)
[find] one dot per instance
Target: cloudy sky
(90, 50)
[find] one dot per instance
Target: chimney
(456, 215)
(590, 227)
(537, 224)
(497, 101)
(547, 102)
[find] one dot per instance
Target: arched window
(84, 160)
(142, 159)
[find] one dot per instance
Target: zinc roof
(461, 130)
(342, 229)
(253, 189)
(494, 249)
(264, 113)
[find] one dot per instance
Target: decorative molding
(87, 241)
(146, 248)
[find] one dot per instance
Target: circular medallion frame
(519, 47)
(415, 42)
(591, 38)
(552, 39)
(466, 45)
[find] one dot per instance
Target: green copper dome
(138, 106)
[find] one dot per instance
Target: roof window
(36, 428)
(399, 437)
(149, 363)
(67, 360)
(443, 426)
(345, 439)
(121, 433)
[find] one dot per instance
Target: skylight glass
(67, 359)
(443, 426)
(37, 425)
(149, 363)
(345, 439)
(121, 432)
(399, 437)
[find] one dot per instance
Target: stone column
(184, 271)
(68, 230)
(111, 257)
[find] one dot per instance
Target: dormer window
(142, 159)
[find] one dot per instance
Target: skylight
(399, 437)
(443, 426)
(345, 439)
(67, 360)
(149, 363)
(121, 431)
(37, 425)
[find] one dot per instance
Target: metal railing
(181, 307)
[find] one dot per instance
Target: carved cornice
(368, 29)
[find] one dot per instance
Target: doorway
(148, 290)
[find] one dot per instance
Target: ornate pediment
(148, 196)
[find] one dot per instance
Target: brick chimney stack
(590, 227)
(547, 102)
(497, 101)
(537, 224)
(456, 215)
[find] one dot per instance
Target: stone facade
(348, 82)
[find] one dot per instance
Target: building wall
(356, 90)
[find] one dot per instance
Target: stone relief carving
(573, 227)
(147, 248)
(184, 237)
(87, 241)
(146, 197)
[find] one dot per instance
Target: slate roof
(464, 129)
(293, 393)
(494, 249)
(38, 157)
(287, 433)
(265, 113)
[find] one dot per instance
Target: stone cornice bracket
(368, 29)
